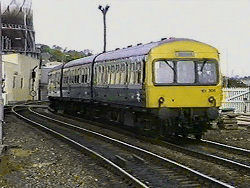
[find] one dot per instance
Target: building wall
(17, 71)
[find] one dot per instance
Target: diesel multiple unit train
(168, 87)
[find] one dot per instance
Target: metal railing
(237, 98)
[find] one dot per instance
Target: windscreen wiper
(203, 65)
(170, 66)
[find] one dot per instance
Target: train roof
(140, 49)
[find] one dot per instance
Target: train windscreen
(185, 72)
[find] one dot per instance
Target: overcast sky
(77, 24)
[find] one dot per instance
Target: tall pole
(104, 12)
(26, 32)
(1, 80)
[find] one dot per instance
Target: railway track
(141, 159)
(225, 147)
(213, 154)
(129, 179)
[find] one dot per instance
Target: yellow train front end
(183, 86)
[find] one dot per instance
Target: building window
(14, 81)
(21, 82)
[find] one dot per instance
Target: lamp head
(100, 7)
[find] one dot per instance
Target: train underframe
(163, 122)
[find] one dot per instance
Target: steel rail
(210, 157)
(143, 152)
(227, 147)
(129, 177)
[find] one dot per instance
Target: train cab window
(163, 72)
(185, 72)
(207, 73)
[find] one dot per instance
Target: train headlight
(211, 99)
(161, 101)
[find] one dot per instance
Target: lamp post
(1, 81)
(104, 12)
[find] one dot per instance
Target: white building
(18, 83)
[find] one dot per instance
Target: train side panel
(119, 82)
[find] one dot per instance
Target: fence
(237, 98)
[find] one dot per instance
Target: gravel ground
(238, 138)
(218, 171)
(36, 159)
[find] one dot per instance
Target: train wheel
(198, 136)
(184, 134)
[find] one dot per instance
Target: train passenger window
(83, 78)
(138, 66)
(139, 77)
(71, 76)
(95, 75)
(123, 75)
(112, 78)
(185, 72)
(132, 74)
(76, 76)
(117, 74)
(86, 79)
(89, 73)
(104, 75)
(86, 75)
(138, 73)
(83, 75)
(109, 74)
(206, 73)
(99, 75)
(163, 72)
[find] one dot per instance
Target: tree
(58, 54)
(232, 82)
